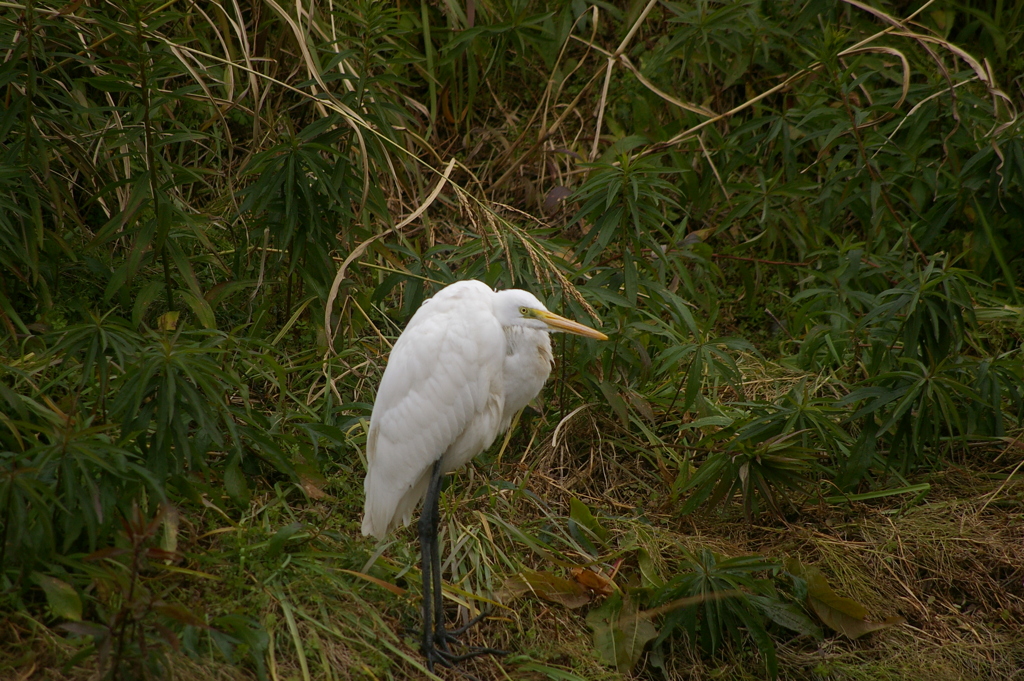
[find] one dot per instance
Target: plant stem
(875, 177)
(162, 232)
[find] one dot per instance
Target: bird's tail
(385, 506)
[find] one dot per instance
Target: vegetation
(798, 456)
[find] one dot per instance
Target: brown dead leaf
(547, 586)
(314, 492)
(393, 588)
(312, 482)
(594, 581)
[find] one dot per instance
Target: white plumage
(440, 396)
(467, 362)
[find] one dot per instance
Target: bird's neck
(527, 365)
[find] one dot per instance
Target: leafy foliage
(729, 598)
(212, 219)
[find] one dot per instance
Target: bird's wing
(440, 395)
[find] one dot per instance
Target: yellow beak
(568, 325)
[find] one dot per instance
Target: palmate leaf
(95, 348)
(67, 475)
(814, 419)
(705, 360)
(716, 599)
(174, 399)
(920, 403)
(768, 470)
(713, 474)
(626, 201)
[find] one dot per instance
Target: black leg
(429, 550)
(427, 600)
(436, 638)
(438, 593)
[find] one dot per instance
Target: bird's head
(515, 307)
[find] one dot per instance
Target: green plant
(800, 225)
(767, 471)
(65, 477)
(726, 602)
(129, 637)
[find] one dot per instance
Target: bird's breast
(527, 365)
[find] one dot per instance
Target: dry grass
(33, 652)
(953, 567)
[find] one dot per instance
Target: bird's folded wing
(440, 396)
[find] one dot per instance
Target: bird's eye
(524, 311)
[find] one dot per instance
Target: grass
(950, 565)
(799, 224)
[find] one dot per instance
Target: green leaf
(997, 251)
(200, 308)
(276, 544)
(629, 277)
(235, 484)
(62, 598)
(179, 613)
(755, 628)
(841, 614)
(648, 571)
(787, 615)
(920, 489)
(579, 512)
(620, 632)
(861, 456)
(615, 401)
(550, 672)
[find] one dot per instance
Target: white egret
(467, 362)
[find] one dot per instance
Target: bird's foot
(443, 656)
(451, 635)
(438, 648)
